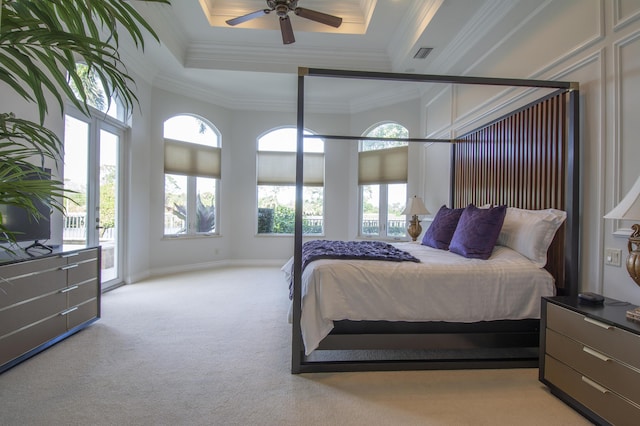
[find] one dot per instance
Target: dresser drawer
(32, 267)
(82, 271)
(82, 313)
(78, 294)
(606, 339)
(24, 314)
(595, 365)
(26, 280)
(606, 404)
(21, 342)
(80, 256)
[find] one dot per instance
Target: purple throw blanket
(366, 250)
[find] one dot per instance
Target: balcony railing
(395, 228)
(75, 229)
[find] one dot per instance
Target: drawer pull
(69, 255)
(64, 268)
(594, 385)
(68, 311)
(66, 290)
(596, 354)
(598, 323)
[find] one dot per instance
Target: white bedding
(444, 286)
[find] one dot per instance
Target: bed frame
(527, 159)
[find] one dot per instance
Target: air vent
(423, 52)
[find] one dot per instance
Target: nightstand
(590, 358)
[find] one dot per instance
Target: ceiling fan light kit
(282, 9)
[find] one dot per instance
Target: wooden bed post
(297, 346)
(572, 247)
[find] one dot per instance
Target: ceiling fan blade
(286, 30)
(323, 18)
(247, 17)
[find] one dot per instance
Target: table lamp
(415, 207)
(629, 209)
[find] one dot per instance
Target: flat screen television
(24, 227)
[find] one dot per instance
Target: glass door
(91, 170)
(107, 209)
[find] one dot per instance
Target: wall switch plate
(613, 257)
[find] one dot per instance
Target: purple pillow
(439, 234)
(477, 231)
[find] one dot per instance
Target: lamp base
(414, 230)
(633, 260)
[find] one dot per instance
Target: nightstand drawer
(588, 392)
(605, 370)
(607, 339)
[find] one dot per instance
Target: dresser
(590, 358)
(44, 299)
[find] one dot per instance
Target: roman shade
(191, 159)
(383, 166)
(279, 168)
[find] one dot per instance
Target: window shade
(383, 166)
(191, 159)
(279, 168)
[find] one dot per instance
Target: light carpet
(213, 348)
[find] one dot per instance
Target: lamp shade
(629, 207)
(415, 207)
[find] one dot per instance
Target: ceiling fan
(282, 9)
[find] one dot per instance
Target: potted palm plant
(40, 44)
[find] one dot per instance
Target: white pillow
(530, 232)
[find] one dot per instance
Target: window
(382, 178)
(191, 176)
(95, 93)
(276, 179)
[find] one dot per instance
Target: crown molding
(274, 59)
(251, 103)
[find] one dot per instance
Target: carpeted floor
(213, 348)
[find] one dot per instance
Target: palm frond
(27, 137)
(41, 41)
(55, 34)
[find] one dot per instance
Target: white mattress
(442, 287)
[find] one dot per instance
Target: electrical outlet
(613, 257)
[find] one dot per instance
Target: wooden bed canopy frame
(503, 162)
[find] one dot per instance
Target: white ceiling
(248, 67)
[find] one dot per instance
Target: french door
(92, 151)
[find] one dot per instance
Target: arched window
(276, 179)
(192, 158)
(96, 95)
(382, 179)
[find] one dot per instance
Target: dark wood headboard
(521, 160)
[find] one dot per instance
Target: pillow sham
(477, 231)
(439, 233)
(530, 232)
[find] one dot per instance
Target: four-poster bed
(528, 161)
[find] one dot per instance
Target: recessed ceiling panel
(355, 15)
